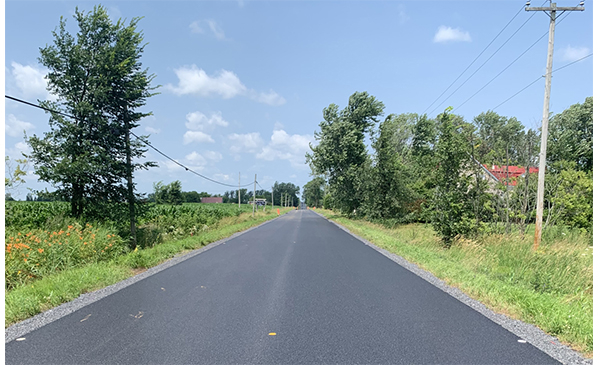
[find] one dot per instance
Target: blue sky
(244, 83)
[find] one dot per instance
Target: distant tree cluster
(437, 170)
(286, 191)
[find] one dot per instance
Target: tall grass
(551, 287)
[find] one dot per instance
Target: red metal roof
(513, 172)
(212, 200)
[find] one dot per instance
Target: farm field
(51, 258)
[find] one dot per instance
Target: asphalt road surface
(295, 290)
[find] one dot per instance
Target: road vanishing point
(295, 290)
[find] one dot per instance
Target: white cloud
(193, 80)
(195, 27)
(199, 121)
(15, 127)
(286, 147)
(114, 13)
(448, 34)
(196, 159)
(216, 30)
(31, 80)
(152, 130)
(222, 177)
(213, 156)
(270, 98)
(196, 136)
(226, 84)
(571, 54)
(249, 142)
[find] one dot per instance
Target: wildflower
(85, 243)
(68, 234)
(25, 260)
(19, 272)
(108, 236)
(70, 227)
(49, 245)
(40, 250)
(18, 234)
(60, 243)
(110, 245)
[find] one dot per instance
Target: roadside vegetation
(50, 263)
(458, 198)
(551, 287)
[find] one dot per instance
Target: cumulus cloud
(284, 146)
(449, 34)
(213, 156)
(224, 84)
(222, 177)
(197, 136)
(30, 80)
(249, 143)
(193, 80)
(196, 159)
(15, 127)
(571, 54)
(152, 130)
(199, 121)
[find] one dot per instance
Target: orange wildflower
(70, 227)
(40, 250)
(85, 243)
(25, 260)
(49, 244)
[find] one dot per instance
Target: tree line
(440, 170)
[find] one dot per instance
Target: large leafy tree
(313, 192)
(286, 191)
(96, 75)
(570, 136)
(453, 214)
(341, 153)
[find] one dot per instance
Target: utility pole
(254, 197)
(239, 188)
(551, 12)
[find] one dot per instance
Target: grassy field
(551, 288)
(54, 260)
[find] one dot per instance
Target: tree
(390, 195)
(313, 192)
(453, 215)
(168, 194)
(289, 191)
(341, 153)
(570, 136)
(13, 177)
(98, 79)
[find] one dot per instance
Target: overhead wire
(489, 58)
(510, 64)
(138, 138)
(536, 80)
(480, 54)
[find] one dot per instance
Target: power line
(489, 58)
(538, 79)
(507, 67)
(133, 134)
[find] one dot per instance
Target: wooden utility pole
(239, 188)
(551, 12)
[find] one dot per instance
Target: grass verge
(28, 300)
(550, 288)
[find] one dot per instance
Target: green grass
(550, 288)
(40, 295)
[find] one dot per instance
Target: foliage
(313, 192)
(97, 78)
(341, 153)
(288, 191)
(38, 253)
(168, 194)
(453, 215)
(570, 136)
(13, 176)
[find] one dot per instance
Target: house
(212, 200)
(497, 173)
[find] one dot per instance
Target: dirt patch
(139, 270)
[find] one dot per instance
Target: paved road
(328, 297)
